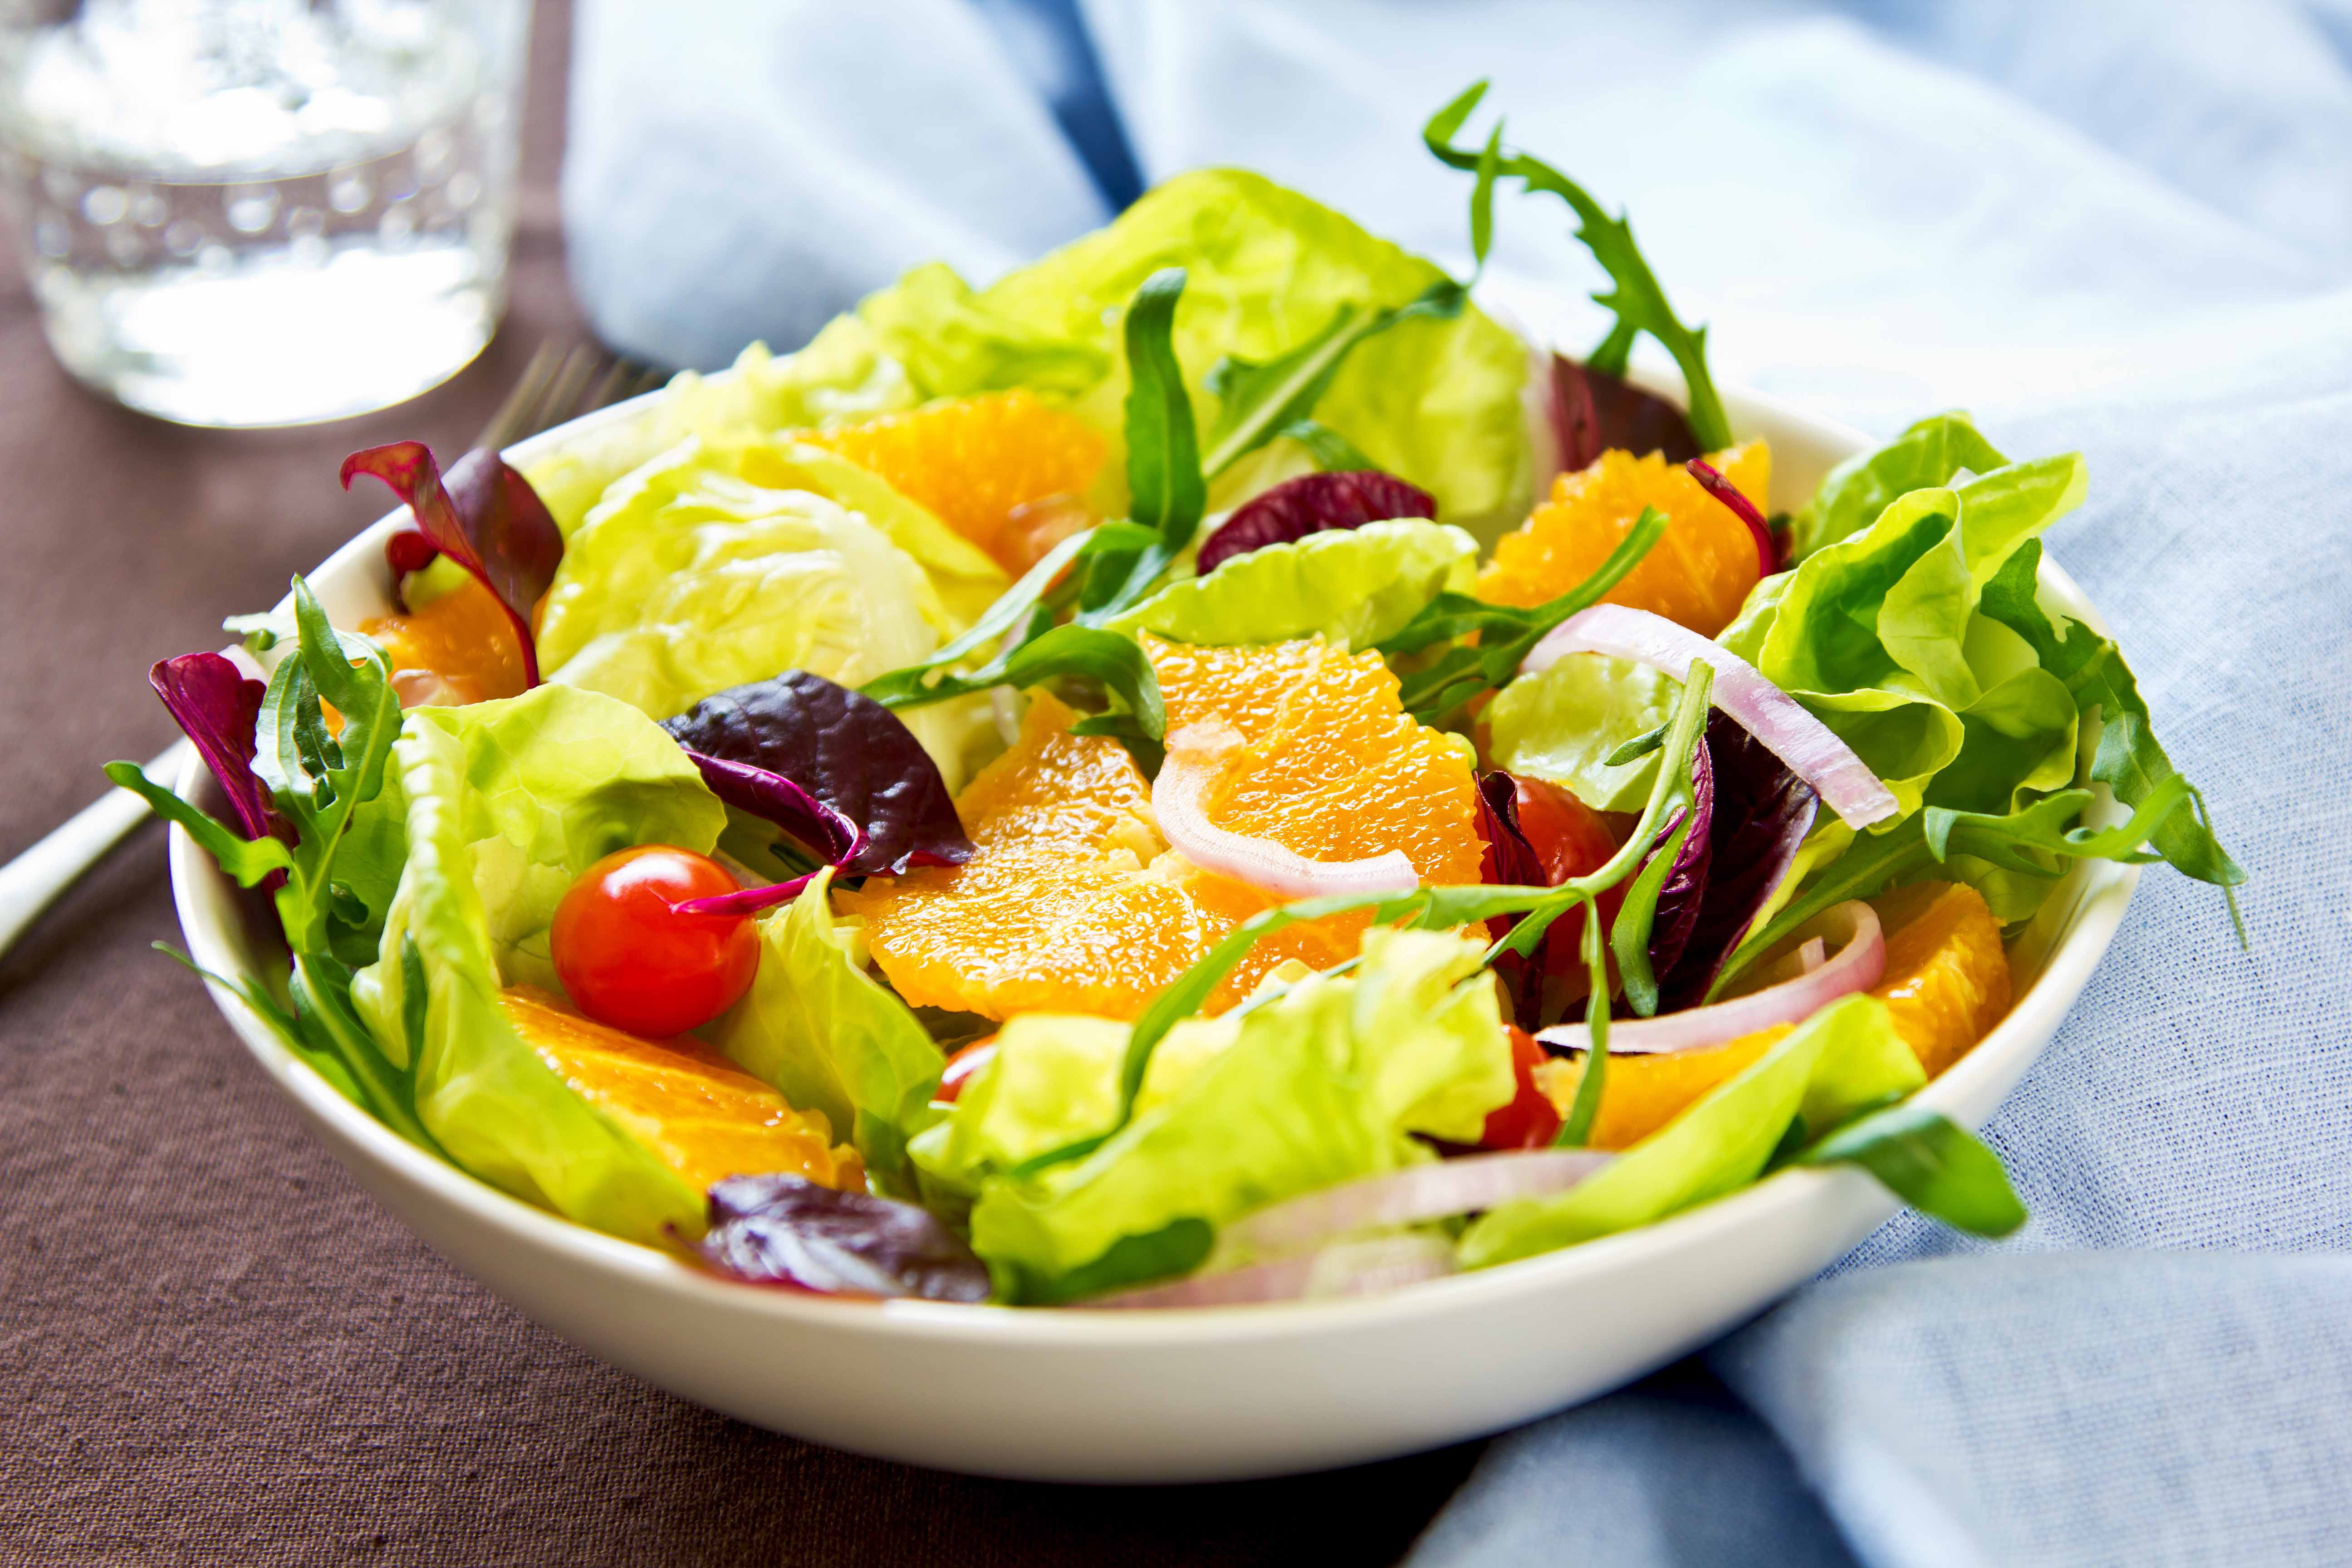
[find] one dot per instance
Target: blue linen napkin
(2126, 231)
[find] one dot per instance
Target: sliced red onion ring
(1860, 963)
(1362, 1267)
(1179, 798)
(1776, 719)
(1410, 1196)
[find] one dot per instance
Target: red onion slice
(1860, 963)
(1411, 1196)
(1843, 780)
(1180, 799)
(1362, 1267)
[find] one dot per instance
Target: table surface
(214, 1347)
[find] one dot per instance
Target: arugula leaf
(1257, 402)
(2129, 760)
(248, 860)
(2043, 827)
(1637, 298)
(1333, 453)
(1930, 1162)
(1088, 652)
(1505, 634)
(1876, 862)
(1576, 1127)
(1166, 492)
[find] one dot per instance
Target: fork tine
(572, 382)
(508, 425)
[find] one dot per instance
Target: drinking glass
(262, 212)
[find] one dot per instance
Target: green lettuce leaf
(1562, 723)
(842, 373)
(1435, 402)
(506, 803)
(715, 564)
(1352, 586)
(829, 1038)
(1317, 1084)
(1843, 1061)
(1925, 457)
(954, 343)
(1880, 635)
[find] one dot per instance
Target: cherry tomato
(1529, 1120)
(629, 960)
(962, 1067)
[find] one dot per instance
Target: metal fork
(558, 384)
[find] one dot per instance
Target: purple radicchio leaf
(1312, 503)
(1592, 412)
(830, 766)
(1762, 814)
(1684, 891)
(220, 708)
(1512, 861)
(483, 515)
(788, 1230)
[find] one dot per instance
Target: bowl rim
(2100, 897)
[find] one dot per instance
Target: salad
(1206, 770)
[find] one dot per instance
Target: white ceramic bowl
(1197, 1395)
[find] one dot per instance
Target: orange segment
(462, 637)
(1947, 979)
(1073, 900)
(981, 465)
(692, 1109)
(1697, 572)
(1641, 1094)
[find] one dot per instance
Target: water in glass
(263, 212)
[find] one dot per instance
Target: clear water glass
(263, 212)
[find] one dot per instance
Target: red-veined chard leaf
(483, 515)
(788, 1230)
(830, 766)
(1312, 503)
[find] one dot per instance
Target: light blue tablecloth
(2121, 229)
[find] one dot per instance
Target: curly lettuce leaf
(1927, 456)
(1563, 723)
(1433, 401)
(1354, 588)
(1321, 1083)
(830, 1037)
(506, 803)
(692, 576)
(1881, 636)
(842, 373)
(1844, 1061)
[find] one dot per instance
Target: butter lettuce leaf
(830, 1037)
(842, 373)
(1844, 1061)
(505, 803)
(1434, 402)
(1927, 455)
(1352, 586)
(1563, 722)
(1319, 1084)
(1881, 635)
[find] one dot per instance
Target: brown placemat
(213, 1347)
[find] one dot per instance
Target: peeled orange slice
(1697, 572)
(1641, 1094)
(981, 465)
(1947, 979)
(463, 637)
(689, 1106)
(1073, 901)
